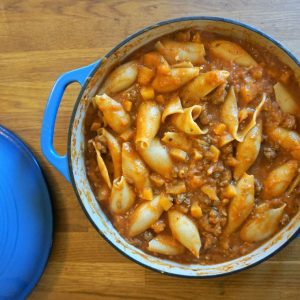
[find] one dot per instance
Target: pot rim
(72, 119)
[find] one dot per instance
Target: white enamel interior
(77, 155)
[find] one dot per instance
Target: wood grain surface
(39, 40)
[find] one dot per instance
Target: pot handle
(60, 162)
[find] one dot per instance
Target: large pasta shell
(231, 52)
(177, 140)
(115, 152)
(185, 231)
(247, 151)
(164, 244)
(144, 216)
(202, 85)
(185, 121)
(114, 114)
(157, 158)
(229, 113)
(286, 100)
(263, 225)
(279, 179)
(122, 196)
(102, 167)
(121, 78)
(136, 172)
(177, 77)
(241, 205)
(287, 139)
(172, 107)
(147, 123)
(175, 52)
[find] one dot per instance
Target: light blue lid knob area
(26, 222)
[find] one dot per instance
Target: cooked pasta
(145, 215)
(115, 152)
(121, 78)
(193, 147)
(147, 123)
(177, 140)
(202, 85)
(157, 158)
(102, 167)
(174, 79)
(229, 114)
(172, 107)
(166, 245)
(286, 100)
(231, 52)
(122, 196)
(185, 120)
(263, 224)
(113, 113)
(279, 179)
(185, 231)
(175, 52)
(241, 205)
(287, 139)
(136, 172)
(248, 150)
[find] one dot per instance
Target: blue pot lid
(26, 223)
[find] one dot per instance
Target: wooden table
(40, 40)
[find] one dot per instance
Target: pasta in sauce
(192, 147)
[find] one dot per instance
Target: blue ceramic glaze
(26, 225)
(60, 162)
